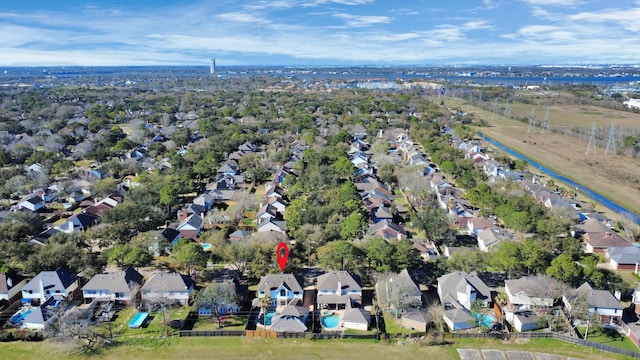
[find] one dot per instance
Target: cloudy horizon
(319, 32)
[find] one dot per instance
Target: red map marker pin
(282, 253)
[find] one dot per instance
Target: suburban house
(476, 224)
(239, 235)
(59, 284)
(388, 230)
(401, 283)
(77, 223)
(172, 287)
(32, 202)
(428, 250)
(623, 258)
(600, 302)
(530, 292)
(487, 239)
(596, 243)
(11, 284)
(119, 287)
(463, 288)
(225, 306)
(338, 290)
(282, 288)
(271, 224)
(190, 225)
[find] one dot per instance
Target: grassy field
(609, 337)
(614, 176)
(284, 349)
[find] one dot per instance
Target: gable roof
(624, 255)
(59, 279)
(536, 286)
(273, 281)
(121, 281)
(452, 282)
(9, 277)
(605, 239)
(330, 280)
(168, 282)
(598, 298)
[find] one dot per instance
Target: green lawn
(120, 327)
(234, 322)
(393, 325)
(610, 337)
(142, 348)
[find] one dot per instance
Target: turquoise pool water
(268, 317)
(15, 319)
(330, 321)
(488, 320)
(206, 246)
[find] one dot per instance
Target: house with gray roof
(402, 285)
(119, 287)
(59, 284)
(282, 288)
(338, 290)
(458, 318)
(462, 288)
(172, 287)
(600, 302)
(357, 319)
(531, 292)
(623, 258)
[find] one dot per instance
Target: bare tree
(161, 303)
(396, 293)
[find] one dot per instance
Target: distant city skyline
(319, 32)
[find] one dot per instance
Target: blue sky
(319, 32)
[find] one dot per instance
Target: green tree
(353, 226)
(433, 221)
(219, 298)
(380, 254)
(189, 255)
(565, 269)
(339, 255)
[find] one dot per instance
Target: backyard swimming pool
(487, 321)
(330, 321)
(266, 319)
(18, 317)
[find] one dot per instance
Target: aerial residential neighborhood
(400, 221)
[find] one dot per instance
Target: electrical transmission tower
(532, 120)
(495, 109)
(611, 143)
(545, 124)
(507, 110)
(591, 147)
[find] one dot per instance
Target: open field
(614, 176)
(284, 349)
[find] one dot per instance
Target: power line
(591, 147)
(611, 143)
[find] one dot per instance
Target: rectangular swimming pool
(138, 320)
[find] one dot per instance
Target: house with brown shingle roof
(597, 242)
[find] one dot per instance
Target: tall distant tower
(212, 65)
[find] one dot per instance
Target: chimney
(9, 282)
(42, 297)
(339, 288)
(183, 215)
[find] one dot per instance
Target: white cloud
(629, 19)
(362, 21)
(554, 2)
